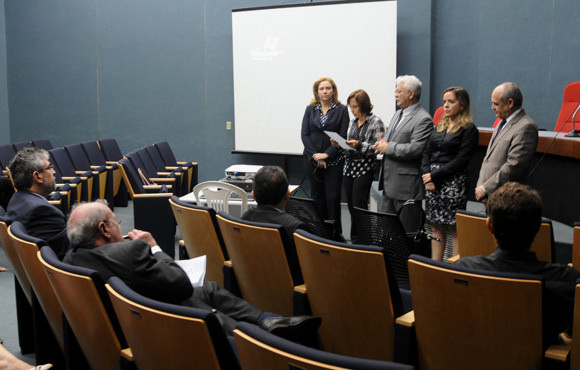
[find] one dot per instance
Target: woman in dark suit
(444, 167)
(323, 162)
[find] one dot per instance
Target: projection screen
(278, 53)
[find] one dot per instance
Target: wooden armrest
(558, 352)
(182, 243)
(68, 178)
(111, 162)
(407, 319)
(453, 259)
(171, 168)
(94, 166)
(570, 264)
(54, 202)
(300, 289)
(154, 195)
(152, 187)
(162, 179)
(80, 172)
(127, 353)
(228, 263)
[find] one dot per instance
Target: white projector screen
(278, 53)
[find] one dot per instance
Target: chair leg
(24, 319)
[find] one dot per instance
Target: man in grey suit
(402, 148)
(512, 144)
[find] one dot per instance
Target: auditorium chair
(472, 319)
(567, 356)
(42, 143)
(151, 208)
(201, 236)
(475, 239)
(21, 145)
(168, 336)
(170, 160)
(576, 246)
(67, 172)
(570, 102)
(260, 350)
(22, 292)
(353, 290)
(146, 169)
(89, 312)
(103, 175)
(261, 256)
(152, 159)
(97, 158)
(111, 150)
(46, 309)
(7, 152)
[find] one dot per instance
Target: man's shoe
(295, 328)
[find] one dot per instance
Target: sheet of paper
(195, 269)
(339, 139)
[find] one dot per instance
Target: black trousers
(325, 190)
(357, 195)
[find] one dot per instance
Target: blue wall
(4, 115)
(149, 70)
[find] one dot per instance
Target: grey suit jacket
(509, 155)
(401, 169)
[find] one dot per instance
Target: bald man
(513, 143)
(98, 244)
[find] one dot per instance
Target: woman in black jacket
(323, 162)
(444, 167)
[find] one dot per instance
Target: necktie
(391, 133)
(501, 124)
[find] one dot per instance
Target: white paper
(195, 269)
(339, 139)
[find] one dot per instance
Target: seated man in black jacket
(271, 192)
(98, 244)
(515, 215)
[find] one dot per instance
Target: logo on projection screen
(268, 52)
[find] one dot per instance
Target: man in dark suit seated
(271, 192)
(98, 244)
(514, 217)
(33, 178)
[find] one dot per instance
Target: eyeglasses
(51, 167)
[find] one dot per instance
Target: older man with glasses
(33, 178)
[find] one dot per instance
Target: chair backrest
(474, 238)
(570, 101)
(346, 285)
(469, 319)
(217, 195)
(437, 116)
(42, 143)
(575, 347)
(168, 336)
(111, 149)
(156, 158)
(7, 152)
(306, 211)
(12, 255)
(21, 145)
(259, 349)
(27, 248)
(257, 251)
(576, 246)
(202, 236)
(386, 231)
(94, 153)
(131, 177)
(166, 153)
(84, 300)
(78, 156)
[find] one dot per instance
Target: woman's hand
(426, 178)
(320, 157)
(321, 163)
(352, 143)
(430, 186)
(334, 143)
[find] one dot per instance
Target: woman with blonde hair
(322, 161)
(444, 167)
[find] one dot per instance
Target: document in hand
(195, 269)
(339, 139)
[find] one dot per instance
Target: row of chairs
(116, 328)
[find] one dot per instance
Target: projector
(243, 172)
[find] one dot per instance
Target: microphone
(574, 132)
